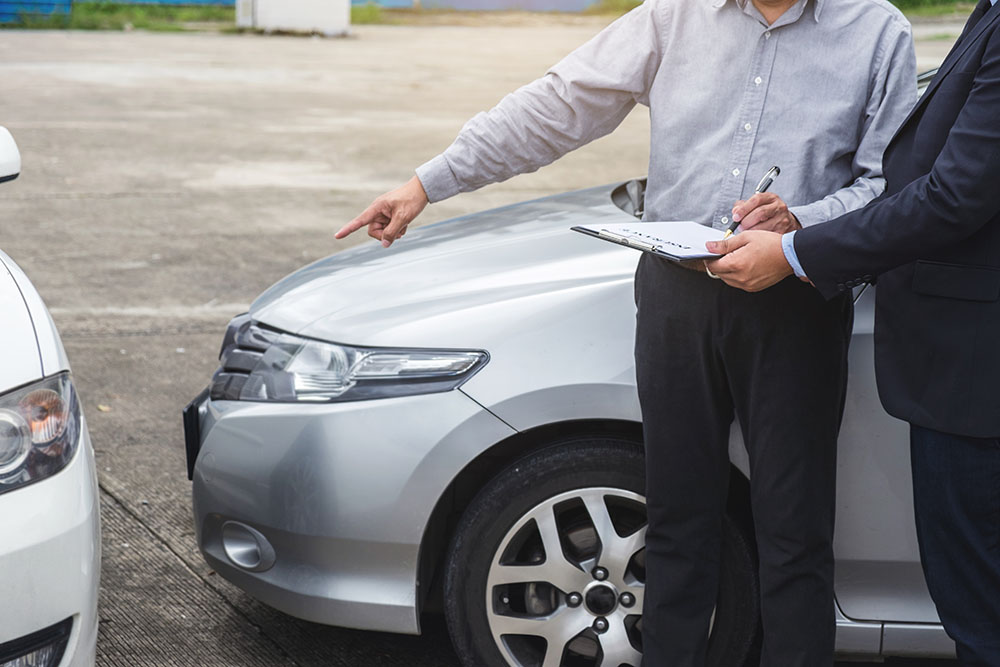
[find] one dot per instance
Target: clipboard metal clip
(630, 241)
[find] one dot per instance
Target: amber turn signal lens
(47, 415)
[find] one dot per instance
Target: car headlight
(261, 364)
(39, 431)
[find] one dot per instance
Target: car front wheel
(547, 566)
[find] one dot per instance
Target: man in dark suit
(933, 241)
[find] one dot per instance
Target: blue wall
(11, 12)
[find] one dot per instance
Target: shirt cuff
(788, 247)
(809, 214)
(438, 179)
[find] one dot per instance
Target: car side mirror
(10, 157)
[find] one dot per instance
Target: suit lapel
(949, 63)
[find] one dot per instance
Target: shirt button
(758, 80)
(767, 35)
(747, 127)
(725, 220)
(736, 172)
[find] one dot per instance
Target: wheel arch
(477, 473)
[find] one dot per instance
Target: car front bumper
(50, 558)
(319, 510)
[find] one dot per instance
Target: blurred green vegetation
(101, 15)
(106, 15)
(915, 8)
(367, 13)
(611, 6)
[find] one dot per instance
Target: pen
(764, 184)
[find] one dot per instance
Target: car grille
(243, 346)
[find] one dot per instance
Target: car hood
(20, 362)
(420, 291)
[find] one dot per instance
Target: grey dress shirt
(818, 93)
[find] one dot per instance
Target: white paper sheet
(679, 240)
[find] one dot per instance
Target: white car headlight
(39, 431)
(259, 364)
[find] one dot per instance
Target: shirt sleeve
(582, 98)
(893, 95)
(948, 205)
(788, 247)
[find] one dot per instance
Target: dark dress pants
(776, 360)
(956, 499)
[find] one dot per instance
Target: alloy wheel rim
(566, 585)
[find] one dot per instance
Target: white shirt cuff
(788, 247)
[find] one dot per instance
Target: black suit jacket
(933, 240)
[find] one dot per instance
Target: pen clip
(768, 179)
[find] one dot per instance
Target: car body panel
(348, 541)
(50, 555)
(49, 529)
(878, 571)
(555, 311)
(916, 640)
(21, 361)
(507, 255)
(50, 347)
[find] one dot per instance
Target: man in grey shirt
(733, 87)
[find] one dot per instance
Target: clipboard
(677, 241)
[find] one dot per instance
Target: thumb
(726, 246)
(400, 219)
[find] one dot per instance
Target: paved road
(168, 179)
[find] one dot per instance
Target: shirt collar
(817, 5)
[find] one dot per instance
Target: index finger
(367, 217)
(742, 209)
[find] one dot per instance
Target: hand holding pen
(764, 211)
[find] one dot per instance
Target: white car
(50, 548)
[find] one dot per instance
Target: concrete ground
(170, 178)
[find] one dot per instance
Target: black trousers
(777, 361)
(956, 499)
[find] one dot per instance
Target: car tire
(505, 601)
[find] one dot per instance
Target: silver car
(452, 424)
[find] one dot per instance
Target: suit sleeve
(943, 207)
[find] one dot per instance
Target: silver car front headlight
(260, 364)
(39, 431)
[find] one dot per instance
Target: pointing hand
(388, 216)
